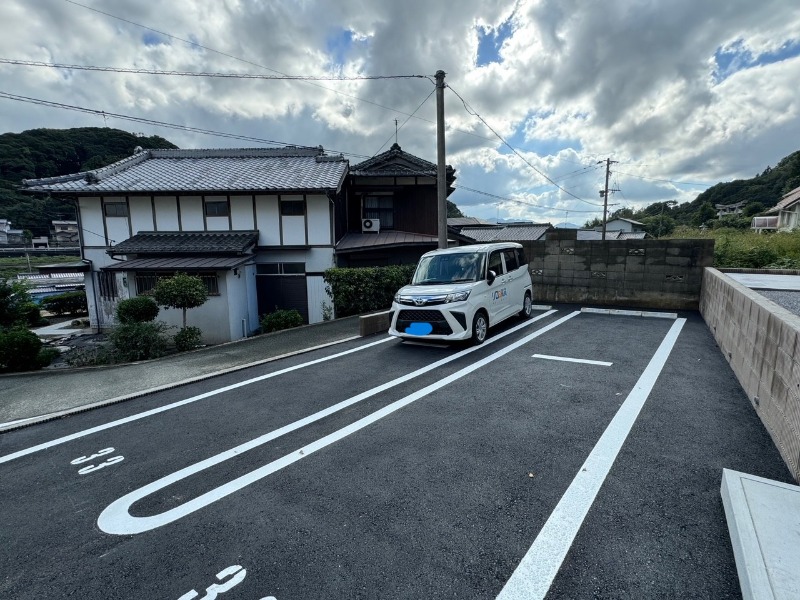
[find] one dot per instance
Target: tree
(453, 211)
(180, 291)
(16, 305)
(706, 213)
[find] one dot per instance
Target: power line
(406, 121)
(260, 66)
(505, 199)
(188, 128)
(33, 63)
(471, 111)
(664, 180)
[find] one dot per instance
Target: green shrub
(138, 341)
(141, 309)
(21, 350)
(281, 319)
(785, 263)
(361, 290)
(188, 338)
(67, 303)
(32, 315)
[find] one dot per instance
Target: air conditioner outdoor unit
(370, 225)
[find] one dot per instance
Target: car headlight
(397, 298)
(457, 296)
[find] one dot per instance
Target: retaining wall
(761, 341)
(663, 274)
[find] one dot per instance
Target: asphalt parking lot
(575, 455)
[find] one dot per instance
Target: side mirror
(491, 277)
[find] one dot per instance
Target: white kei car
(458, 293)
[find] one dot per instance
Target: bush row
(366, 289)
(68, 303)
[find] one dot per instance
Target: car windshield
(449, 268)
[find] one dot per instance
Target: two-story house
(259, 226)
(255, 224)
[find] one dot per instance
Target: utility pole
(441, 173)
(604, 193)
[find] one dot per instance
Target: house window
(381, 208)
(146, 281)
(115, 209)
(293, 208)
(281, 269)
(217, 208)
(107, 285)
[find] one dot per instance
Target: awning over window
(197, 263)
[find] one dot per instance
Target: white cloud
(577, 82)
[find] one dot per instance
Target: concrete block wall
(761, 341)
(659, 274)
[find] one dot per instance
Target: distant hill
(758, 194)
(766, 188)
(50, 152)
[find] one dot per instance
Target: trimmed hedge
(366, 289)
(67, 303)
(139, 309)
(281, 319)
(21, 350)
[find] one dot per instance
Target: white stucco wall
(191, 213)
(319, 220)
(242, 213)
(166, 213)
(268, 220)
(141, 214)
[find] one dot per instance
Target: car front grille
(440, 326)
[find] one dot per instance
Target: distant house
(258, 226)
(724, 210)
(64, 234)
(623, 225)
(9, 236)
(595, 234)
(761, 224)
(788, 210)
(502, 232)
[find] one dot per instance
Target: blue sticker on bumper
(419, 329)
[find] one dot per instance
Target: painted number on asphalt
(236, 575)
(90, 468)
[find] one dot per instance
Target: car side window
(496, 262)
(511, 259)
(523, 261)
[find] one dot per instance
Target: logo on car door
(499, 294)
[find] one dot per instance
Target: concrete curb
(19, 424)
(764, 523)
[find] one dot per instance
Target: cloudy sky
(683, 94)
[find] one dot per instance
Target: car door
(516, 279)
(497, 303)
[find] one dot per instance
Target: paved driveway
(574, 456)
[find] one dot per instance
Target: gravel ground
(788, 300)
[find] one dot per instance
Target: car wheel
(480, 328)
(527, 307)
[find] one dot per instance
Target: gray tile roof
(397, 163)
(467, 221)
(187, 242)
(792, 197)
(506, 233)
(176, 264)
(222, 170)
(366, 241)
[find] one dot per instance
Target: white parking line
(535, 574)
(116, 518)
(340, 406)
(585, 361)
(166, 407)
